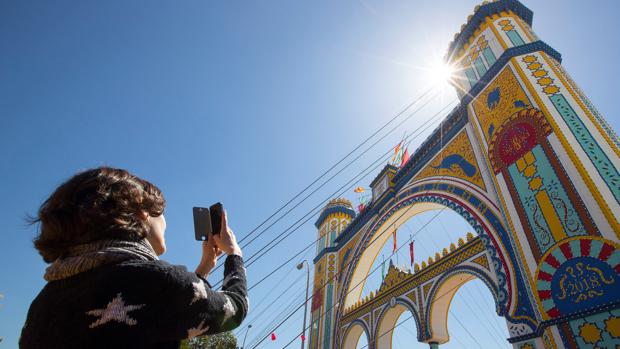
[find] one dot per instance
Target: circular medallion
(392, 302)
(577, 274)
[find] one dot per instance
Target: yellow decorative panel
(456, 160)
(482, 260)
(501, 99)
(426, 288)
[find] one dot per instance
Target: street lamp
(303, 329)
(246, 336)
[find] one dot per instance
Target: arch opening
(461, 298)
(353, 336)
(397, 321)
(432, 230)
(375, 245)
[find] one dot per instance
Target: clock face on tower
(380, 188)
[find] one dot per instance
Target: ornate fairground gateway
(531, 165)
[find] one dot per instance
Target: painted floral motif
(597, 331)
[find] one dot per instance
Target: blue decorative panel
(548, 182)
(471, 76)
(328, 316)
(480, 66)
(515, 38)
(604, 167)
(489, 56)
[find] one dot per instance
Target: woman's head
(97, 204)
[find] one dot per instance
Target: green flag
(382, 268)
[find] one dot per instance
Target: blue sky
(240, 102)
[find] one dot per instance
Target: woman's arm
(226, 309)
(194, 309)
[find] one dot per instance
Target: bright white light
(440, 74)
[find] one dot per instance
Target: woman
(102, 232)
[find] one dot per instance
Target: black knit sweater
(134, 304)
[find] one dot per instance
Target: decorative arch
(353, 333)
(477, 210)
(432, 196)
(442, 293)
(387, 321)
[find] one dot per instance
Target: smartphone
(216, 210)
(202, 223)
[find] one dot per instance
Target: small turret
(334, 218)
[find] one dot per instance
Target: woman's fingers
(224, 227)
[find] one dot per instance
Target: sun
(440, 73)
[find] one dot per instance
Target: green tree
(225, 340)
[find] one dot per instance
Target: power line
(371, 272)
(310, 245)
(311, 214)
(276, 298)
(266, 330)
(319, 206)
(488, 328)
(339, 162)
(411, 316)
(339, 272)
(493, 325)
(332, 167)
(346, 166)
(378, 235)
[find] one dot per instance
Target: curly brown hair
(100, 203)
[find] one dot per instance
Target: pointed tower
(334, 218)
(555, 165)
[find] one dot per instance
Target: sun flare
(441, 74)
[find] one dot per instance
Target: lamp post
(303, 329)
(246, 336)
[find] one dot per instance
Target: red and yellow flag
(394, 233)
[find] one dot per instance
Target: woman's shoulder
(161, 270)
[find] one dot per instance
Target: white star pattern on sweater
(200, 292)
(229, 310)
(197, 331)
(116, 310)
(229, 278)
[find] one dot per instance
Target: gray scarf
(92, 255)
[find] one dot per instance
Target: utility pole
(303, 329)
(246, 336)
